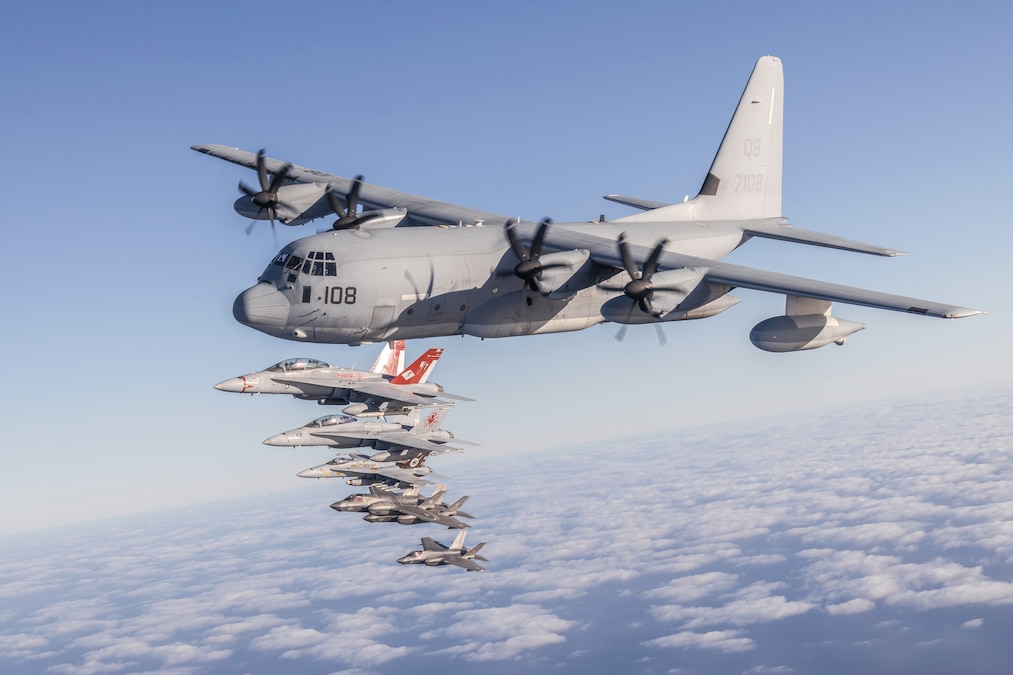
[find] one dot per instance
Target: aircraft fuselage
(356, 286)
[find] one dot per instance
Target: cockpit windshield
(316, 263)
(330, 421)
(295, 365)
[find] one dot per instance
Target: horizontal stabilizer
(784, 232)
(635, 202)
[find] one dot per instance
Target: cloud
(720, 640)
(500, 633)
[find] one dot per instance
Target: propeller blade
(536, 245)
(278, 179)
(262, 171)
(247, 190)
(627, 257)
(651, 266)
(515, 242)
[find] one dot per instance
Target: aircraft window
(318, 269)
(307, 266)
(331, 269)
(330, 421)
(297, 364)
(293, 262)
(307, 292)
(328, 256)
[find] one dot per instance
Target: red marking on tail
(416, 372)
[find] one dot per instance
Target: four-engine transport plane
(342, 431)
(463, 271)
(382, 468)
(434, 553)
(372, 393)
(408, 508)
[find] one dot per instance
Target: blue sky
(126, 254)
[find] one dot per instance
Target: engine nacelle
(796, 333)
(440, 436)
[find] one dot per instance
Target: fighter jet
(387, 389)
(404, 469)
(434, 553)
(409, 508)
(343, 431)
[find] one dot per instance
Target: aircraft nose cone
(235, 384)
(309, 473)
(261, 306)
(280, 439)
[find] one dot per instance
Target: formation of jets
(394, 266)
(401, 420)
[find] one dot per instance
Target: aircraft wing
(403, 475)
(605, 252)
(432, 517)
(429, 544)
(399, 438)
(392, 392)
(421, 210)
(467, 564)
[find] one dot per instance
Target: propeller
(267, 196)
(348, 218)
(530, 267)
(640, 289)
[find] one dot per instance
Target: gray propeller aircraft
(342, 431)
(434, 553)
(408, 508)
(373, 393)
(383, 468)
(462, 271)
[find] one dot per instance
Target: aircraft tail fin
(418, 371)
(432, 421)
(458, 543)
(744, 181)
(391, 359)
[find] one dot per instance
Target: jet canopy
(296, 365)
(330, 421)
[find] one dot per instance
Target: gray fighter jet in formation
(409, 266)
(434, 553)
(342, 431)
(401, 469)
(408, 508)
(373, 393)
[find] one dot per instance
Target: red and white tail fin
(418, 371)
(391, 359)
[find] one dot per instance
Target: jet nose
(262, 307)
(310, 473)
(235, 384)
(282, 439)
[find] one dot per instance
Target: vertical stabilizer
(744, 180)
(391, 359)
(425, 424)
(458, 541)
(418, 371)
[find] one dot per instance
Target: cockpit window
(314, 264)
(293, 262)
(291, 365)
(330, 421)
(281, 258)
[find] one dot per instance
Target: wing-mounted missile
(807, 324)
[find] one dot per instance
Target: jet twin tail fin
(432, 421)
(391, 359)
(418, 371)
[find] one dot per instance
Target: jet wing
(432, 517)
(392, 392)
(403, 475)
(421, 210)
(467, 564)
(429, 544)
(398, 438)
(604, 251)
